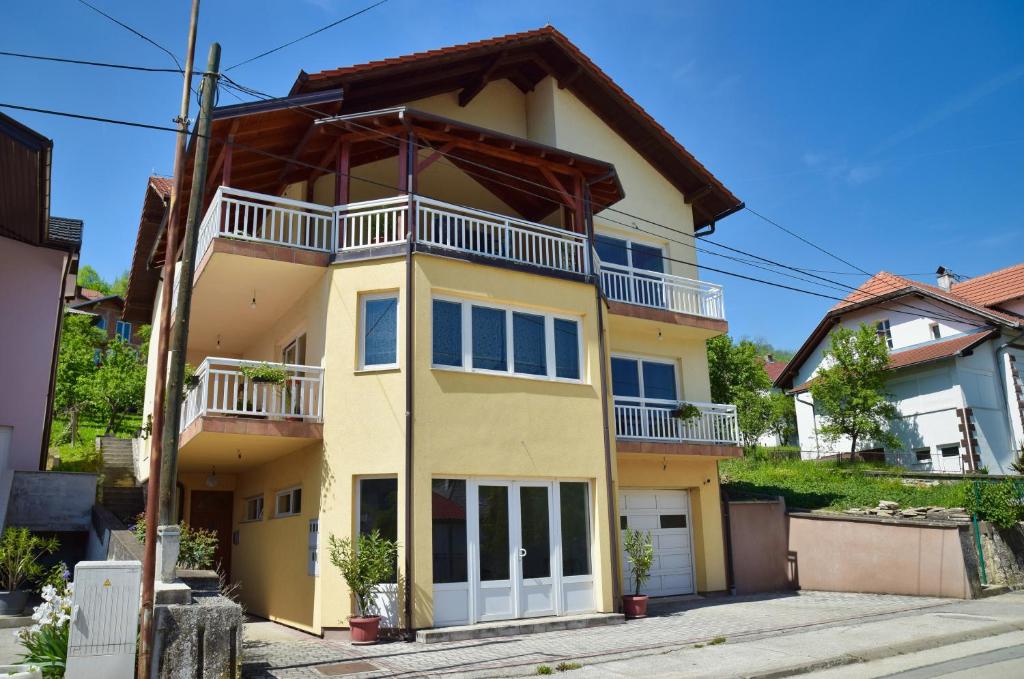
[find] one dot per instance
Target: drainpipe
(613, 530)
(44, 448)
(1004, 387)
(814, 422)
(409, 401)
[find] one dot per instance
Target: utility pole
(179, 329)
(167, 274)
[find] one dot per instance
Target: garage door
(665, 513)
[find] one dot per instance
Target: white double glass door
(514, 548)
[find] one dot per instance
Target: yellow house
(477, 267)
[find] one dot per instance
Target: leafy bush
(264, 372)
(640, 550)
(544, 669)
(686, 412)
(998, 503)
(58, 577)
(20, 551)
(198, 546)
(46, 641)
(364, 564)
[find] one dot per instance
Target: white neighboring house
(957, 356)
(774, 369)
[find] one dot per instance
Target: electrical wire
(102, 64)
(136, 32)
(308, 35)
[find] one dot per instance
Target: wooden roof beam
(693, 196)
(477, 85)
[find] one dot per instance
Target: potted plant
(686, 412)
(265, 373)
(640, 550)
(364, 564)
(20, 551)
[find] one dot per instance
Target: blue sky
(887, 132)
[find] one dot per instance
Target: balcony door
(645, 391)
(294, 353)
(514, 536)
(632, 271)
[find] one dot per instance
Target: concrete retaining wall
(52, 501)
(773, 550)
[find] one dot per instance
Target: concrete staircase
(121, 493)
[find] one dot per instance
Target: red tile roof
(162, 185)
(774, 369)
(925, 353)
(993, 288)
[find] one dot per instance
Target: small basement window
(289, 502)
(923, 454)
(254, 508)
(950, 451)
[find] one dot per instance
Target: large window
(629, 254)
(575, 501)
(379, 331)
(378, 510)
(638, 381)
(449, 530)
(489, 338)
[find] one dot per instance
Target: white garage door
(665, 513)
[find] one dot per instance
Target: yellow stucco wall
(483, 425)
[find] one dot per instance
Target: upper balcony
(225, 411)
(644, 427)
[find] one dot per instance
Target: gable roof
(888, 287)
(774, 369)
(993, 288)
(525, 59)
(927, 352)
(143, 278)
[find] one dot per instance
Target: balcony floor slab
(635, 447)
(714, 326)
(220, 440)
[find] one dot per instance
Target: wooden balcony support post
(344, 166)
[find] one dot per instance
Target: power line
(308, 35)
(103, 64)
(269, 154)
(136, 32)
(804, 240)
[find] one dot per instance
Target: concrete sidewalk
(764, 636)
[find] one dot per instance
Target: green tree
(738, 377)
(120, 285)
(76, 363)
(849, 392)
(782, 421)
(88, 277)
(118, 386)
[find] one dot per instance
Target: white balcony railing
(662, 291)
(245, 215)
(463, 229)
(222, 389)
(716, 424)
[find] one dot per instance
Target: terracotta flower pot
(634, 605)
(364, 630)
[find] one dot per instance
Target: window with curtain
(379, 331)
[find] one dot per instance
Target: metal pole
(179, 330)
(149, 559)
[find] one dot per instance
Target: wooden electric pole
(167, 274)
(179, 328)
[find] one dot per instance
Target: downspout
(409, 401)
(44, 442)
(603, 356)
(1004, 387)
(814, 422)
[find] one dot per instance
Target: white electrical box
(104, 626)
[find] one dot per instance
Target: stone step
(508, 628)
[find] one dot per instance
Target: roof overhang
(525, 59)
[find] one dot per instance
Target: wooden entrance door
(211, 509)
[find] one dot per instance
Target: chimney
(945, 278)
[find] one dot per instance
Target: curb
(890, 651)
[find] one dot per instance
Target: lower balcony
(229, 420)
(655, 428)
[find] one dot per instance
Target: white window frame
(941, 448)
(883, 328)
(290, 492)
(117, 330)
(260, 502)
(643, 400)
(629, 253)
(466, 308)
(363, 299)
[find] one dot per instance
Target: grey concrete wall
(110, 540)
(51, 501)
(877, 556)
(759, 546)
(201, 639)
